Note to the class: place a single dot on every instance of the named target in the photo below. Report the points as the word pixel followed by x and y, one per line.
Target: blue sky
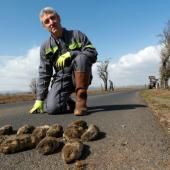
pixel 117 28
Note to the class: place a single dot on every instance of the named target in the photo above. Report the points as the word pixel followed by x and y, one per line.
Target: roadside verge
pixel 159 101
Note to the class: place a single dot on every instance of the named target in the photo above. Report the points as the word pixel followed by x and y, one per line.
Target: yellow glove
pixel 61 60
pixel 38 107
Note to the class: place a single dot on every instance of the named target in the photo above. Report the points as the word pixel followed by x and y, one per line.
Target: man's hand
pixel 38 107
pixel 61 60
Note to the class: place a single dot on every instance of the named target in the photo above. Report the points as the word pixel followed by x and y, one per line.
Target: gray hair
pixel 47 10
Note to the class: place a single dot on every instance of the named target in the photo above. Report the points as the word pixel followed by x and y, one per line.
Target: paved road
pixel 132 139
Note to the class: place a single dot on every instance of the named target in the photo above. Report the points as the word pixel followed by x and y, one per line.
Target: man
pixel 111 85
pixel 70 54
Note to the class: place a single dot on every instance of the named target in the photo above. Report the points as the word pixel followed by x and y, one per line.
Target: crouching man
pixel 70 55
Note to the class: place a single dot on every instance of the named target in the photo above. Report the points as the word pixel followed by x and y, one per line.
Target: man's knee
pixel 53 109
pixel 82 63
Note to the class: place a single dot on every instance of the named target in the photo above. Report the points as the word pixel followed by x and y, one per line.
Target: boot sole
pixel 81 113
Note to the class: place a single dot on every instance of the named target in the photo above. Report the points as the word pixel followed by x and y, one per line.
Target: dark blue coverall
pixel 83 55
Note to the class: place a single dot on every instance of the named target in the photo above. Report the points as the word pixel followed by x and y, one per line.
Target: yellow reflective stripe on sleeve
pixel 74 45
pixel 48 50
pixel 55 49
pixel 89 46
pixel 51 50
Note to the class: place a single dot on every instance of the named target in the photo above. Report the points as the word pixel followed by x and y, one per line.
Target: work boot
pixel 81 82
pixel 71 105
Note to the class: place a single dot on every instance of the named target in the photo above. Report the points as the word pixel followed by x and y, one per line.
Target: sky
pixel 123 31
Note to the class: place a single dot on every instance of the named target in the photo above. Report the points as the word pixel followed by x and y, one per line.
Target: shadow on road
pixel 113 107
pixel 86 152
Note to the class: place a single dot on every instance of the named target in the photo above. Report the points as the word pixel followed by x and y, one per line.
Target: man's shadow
pixel 101 108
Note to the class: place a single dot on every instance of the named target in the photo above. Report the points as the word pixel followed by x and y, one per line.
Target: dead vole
pixel 72 132
pixel 91 133
pixel 75 130
pixel 44 127
pixel 55 130
pixel 39 133
pixel 26 129
pixel 80 165
pixel 48 145
pixel 79 123
pixel 72 151
pixel 6 130
pixel 2 138
pixel 16 144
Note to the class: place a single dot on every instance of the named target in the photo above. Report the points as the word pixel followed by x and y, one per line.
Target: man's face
pixel 51 22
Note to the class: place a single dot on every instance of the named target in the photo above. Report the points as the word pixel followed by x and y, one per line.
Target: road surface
pixel 131 137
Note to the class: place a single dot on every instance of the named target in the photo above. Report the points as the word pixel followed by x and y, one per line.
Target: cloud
pixel 17 73
pixel 131 69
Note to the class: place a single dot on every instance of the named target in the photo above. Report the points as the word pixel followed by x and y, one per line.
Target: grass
pixel 20 97
pixel 28 96
pixel 159 101
pixel 13 98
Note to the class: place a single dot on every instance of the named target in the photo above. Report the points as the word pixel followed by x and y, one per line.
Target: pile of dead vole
pixel 49 139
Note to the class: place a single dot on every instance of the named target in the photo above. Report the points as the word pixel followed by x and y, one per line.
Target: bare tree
pixel 102 69
pixel 33 85
pixel 165 56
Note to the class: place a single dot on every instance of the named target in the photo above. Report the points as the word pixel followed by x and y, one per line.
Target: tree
pixel 102 69
pixel 165 56
pixel 164 70
pixel 33 85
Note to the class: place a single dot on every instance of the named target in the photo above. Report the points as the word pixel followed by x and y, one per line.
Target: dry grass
pixel 159 101
pixel 13 98
pixel 20 97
